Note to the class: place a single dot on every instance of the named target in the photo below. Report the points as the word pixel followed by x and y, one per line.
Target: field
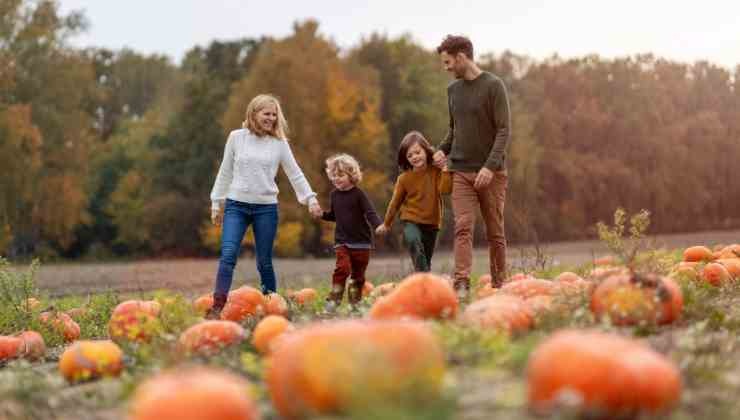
pixel 485 377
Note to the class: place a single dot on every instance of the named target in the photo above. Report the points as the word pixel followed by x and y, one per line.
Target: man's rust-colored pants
pixel 465 200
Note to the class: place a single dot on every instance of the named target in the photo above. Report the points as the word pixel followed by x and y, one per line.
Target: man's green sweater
pixel 479 124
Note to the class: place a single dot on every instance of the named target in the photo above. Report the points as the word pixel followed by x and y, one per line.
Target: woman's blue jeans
pixel 237 218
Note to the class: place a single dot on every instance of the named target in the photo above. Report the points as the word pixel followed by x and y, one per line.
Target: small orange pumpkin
pixel 63 323
pixel 305 296
pixel 276 305
pixel 606 375
pixel 203 303
pixel 34 347
pixel 244 302
pixel 10 347
pixel 632 298
pixel 91 359
pixel 503 312
pixel 134 320
pixel 335 367
pixel 209 337
pixel 697 254
pixel 420 295
pixel 269 329
pixel 715 274
pixel 194 393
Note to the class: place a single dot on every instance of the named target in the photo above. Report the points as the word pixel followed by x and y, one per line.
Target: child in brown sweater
pixel 418 196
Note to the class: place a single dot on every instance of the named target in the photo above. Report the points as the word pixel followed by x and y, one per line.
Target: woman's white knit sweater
pixel 249 168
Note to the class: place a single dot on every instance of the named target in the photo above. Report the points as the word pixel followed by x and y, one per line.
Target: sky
pixel 680 30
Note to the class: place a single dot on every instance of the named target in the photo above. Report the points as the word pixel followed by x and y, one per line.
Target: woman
pixel 245 190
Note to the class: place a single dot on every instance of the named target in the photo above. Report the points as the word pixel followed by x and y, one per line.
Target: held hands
pixel 315 210
pixel 217 217
pixel 483 178
pixel 439 158
pixel 381 229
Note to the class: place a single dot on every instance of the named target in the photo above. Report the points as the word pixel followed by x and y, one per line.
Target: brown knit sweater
pixel 418 195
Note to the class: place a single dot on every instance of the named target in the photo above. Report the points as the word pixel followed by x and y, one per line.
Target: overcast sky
pixel 678 29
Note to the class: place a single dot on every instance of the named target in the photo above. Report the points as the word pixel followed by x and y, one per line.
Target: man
pixel 475 151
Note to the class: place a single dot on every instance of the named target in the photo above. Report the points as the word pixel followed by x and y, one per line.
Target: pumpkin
pixel 193 393
pixel 91 359
pixel 567 277
pixel 209 337
pixel 420 295
pixel 687 269
pixel 732 265
pixel 305 296
pixel 569 284
pixel 203 303
pixel 485 291
pixel 10 347
pixel 733 249
pixel 367 288
pixel 134 320
pixel 242 303
pixel 539 305
pixel 633 298
pixel 276 305
pixel 697 253
pixel 34 347
pixel 336 367
pixel 528 287
pixel 383 289
pixel 62 323
pixel 507 313
pixel 606 375
pixel 267 330
pixel 715 274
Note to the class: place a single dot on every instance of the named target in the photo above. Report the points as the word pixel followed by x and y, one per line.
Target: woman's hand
pixel 217 217
pixel 315 209
pixel 381 229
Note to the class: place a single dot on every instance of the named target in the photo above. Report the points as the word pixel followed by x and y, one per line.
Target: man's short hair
pixel 453 44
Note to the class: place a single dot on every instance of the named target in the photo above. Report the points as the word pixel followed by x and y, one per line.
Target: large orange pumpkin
pixel 134 320
pixel 697 253
pixel 732 265
pixel 91 359
pixel 10 347
pixel 605 375
pixel 276 305
pixel 336 367
pixel 194 393
pixel 633 298
pixel 503 312
pixel 63 323
pixel 420 295
pixel 244 302
pixel 267 330
pixel 209 337
pixel 715 274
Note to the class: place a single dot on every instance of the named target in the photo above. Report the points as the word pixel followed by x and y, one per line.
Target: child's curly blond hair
pixel 343 163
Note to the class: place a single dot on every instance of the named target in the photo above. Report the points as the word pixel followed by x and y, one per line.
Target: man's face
pixel 454 64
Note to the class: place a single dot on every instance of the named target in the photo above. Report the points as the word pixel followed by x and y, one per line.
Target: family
pixel 469 163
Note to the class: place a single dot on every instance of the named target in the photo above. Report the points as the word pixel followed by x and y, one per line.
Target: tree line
pixel 113 153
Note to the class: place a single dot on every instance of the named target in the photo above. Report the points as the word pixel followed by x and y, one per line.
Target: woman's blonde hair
pixel 343 163
pixel 257 104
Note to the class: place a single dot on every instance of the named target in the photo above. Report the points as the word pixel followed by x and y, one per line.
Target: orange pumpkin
pixel 63 323
pixel 697 253
pixel 336 367
pixel 209 337
pixel 485 291
pixel 383 289
pixel 305 296
pixel 244 302
pixel 267 330
pixel 568 283
pixel 715 274
pixel 567 277
pixel 134 320
pixel 203 304
pixel 194 393
pixel 631 298
pixel 367 288
pixel 420 295
pixel 34 347
pixel 10 347
pixel 732 265
pixel 539 305
pixel 91 359
pixel 503 312
pixel 606 375
pixel 733 249
pixel 276 305
pixel 687 269
pixel 528 287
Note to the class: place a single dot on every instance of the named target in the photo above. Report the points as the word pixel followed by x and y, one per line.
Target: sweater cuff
pixel 494 163
pixel 312 200
pixel 217 204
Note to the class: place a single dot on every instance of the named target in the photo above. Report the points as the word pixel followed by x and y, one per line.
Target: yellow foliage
pixel 288 240
pixel 210 235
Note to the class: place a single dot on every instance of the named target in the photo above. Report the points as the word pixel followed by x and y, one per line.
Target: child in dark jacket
pixel 356 220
